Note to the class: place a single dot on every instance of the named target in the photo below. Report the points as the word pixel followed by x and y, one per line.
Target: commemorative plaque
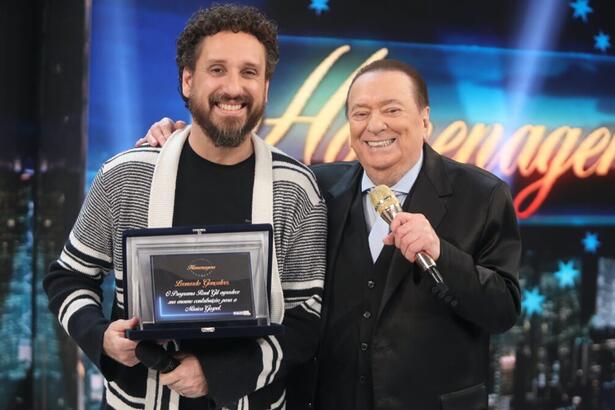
pixel 215 286
pixel 199 282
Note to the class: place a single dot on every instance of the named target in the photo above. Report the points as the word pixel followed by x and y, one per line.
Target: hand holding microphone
pixel 411 233
pixel 185 377
pixel 155 357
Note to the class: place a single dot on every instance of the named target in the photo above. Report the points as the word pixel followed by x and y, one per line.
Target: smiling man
pixel 389 341
pixel 216 171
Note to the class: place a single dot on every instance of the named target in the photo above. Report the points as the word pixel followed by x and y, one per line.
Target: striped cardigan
pixel 135 189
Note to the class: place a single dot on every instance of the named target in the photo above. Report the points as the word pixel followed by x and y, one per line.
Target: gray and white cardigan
pixel 136 189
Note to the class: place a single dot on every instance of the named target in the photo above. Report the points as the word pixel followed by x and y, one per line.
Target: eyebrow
pixel 385 102
pixel 222 61
pixel 390 101
pixel 358 106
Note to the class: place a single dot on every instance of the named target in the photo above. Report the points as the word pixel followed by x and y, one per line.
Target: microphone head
pixel 384 201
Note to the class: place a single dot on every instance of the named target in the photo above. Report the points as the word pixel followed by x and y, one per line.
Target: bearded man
pixel 225 56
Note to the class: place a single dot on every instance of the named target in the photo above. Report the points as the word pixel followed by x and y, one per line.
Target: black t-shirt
pixel 212 194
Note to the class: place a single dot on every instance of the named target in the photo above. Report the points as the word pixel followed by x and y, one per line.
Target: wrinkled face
pixel 387 128
pixel 227 90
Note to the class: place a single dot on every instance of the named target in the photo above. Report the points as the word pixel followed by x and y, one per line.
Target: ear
pixel 186 82
pixel 425 118
pixel 266 91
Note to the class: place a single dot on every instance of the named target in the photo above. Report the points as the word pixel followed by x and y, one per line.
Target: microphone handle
pixel 427 264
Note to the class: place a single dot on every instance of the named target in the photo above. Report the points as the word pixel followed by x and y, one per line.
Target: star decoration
pixel 581 9
pixel 319 6
pixel 566 274
pixel 591 242
pixel 532 301
pixel 602 41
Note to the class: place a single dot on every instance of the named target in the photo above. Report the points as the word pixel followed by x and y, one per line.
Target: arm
pixel 485 284
pixel 73 285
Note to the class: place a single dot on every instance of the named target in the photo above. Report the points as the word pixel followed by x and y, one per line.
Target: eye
pixel 359 115
pixel 392 110
pixel 216 70
pixel 250 72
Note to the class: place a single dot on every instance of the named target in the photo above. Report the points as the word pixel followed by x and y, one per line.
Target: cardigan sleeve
pixel 73 283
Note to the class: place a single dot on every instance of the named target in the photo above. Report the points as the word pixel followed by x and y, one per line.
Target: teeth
pixel 230 107
pixel 383 143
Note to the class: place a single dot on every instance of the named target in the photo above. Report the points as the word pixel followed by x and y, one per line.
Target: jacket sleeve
pixel 237 369
pixel 485 284
pixel 73 283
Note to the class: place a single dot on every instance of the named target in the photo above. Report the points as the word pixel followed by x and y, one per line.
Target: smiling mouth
pixel 380 144
pixel 230 107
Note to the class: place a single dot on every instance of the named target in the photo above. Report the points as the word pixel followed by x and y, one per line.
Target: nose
pixel 232 85
pixel 376 124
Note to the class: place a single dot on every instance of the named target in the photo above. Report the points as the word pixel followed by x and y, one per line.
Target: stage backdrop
pixel 523 89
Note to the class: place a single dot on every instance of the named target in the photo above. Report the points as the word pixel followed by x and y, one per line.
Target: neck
pixel 205 148
pixel 387 178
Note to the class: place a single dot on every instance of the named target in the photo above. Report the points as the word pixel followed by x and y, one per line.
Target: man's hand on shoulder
pixel 117 346
pixel 160 132
pixel 187 379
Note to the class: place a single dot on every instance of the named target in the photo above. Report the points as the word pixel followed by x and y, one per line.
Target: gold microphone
pixel 387 206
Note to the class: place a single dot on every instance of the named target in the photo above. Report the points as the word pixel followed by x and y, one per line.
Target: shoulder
pixel 287 170
pixel 144 156
pixel 328 174
pixel 283 160
pixel 471 178
pixel 332 169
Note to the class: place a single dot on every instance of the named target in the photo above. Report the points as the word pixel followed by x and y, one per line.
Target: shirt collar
pixel 403 186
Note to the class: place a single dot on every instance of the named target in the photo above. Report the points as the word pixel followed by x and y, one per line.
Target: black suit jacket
pixel 426 353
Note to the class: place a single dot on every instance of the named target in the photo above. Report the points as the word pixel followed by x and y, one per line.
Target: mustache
pixel 244 99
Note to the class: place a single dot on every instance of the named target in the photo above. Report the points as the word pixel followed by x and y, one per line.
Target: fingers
pixel 187 379
pixel 160 131
pixel 410 248
pixel 122 324
pixel 411 234
pixel 171 379
pixel 389 239
pixel 117 346
pixel 399 220
pixel 125 351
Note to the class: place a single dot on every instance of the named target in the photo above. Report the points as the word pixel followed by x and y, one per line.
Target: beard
pixel 230 132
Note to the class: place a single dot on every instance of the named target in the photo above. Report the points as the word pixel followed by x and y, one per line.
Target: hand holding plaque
pixel 186 283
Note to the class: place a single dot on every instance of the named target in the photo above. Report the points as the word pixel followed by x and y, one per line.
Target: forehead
pixel 227 46
pixel 378 86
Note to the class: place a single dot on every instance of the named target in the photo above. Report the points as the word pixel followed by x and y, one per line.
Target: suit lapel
pixel 339 201
pixel 428 196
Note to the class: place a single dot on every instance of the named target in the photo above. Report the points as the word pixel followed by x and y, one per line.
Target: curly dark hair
pixel 226 17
